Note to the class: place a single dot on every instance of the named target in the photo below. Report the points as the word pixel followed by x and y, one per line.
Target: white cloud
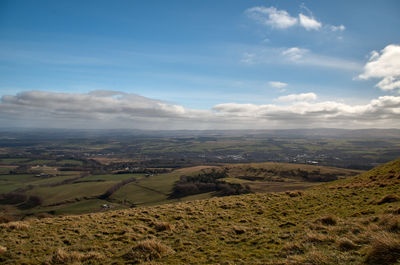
pixel 378 113
pixel 309 23
pixel 271 16
pixel 281 19
pixel 338 28
pixel 298 97
pixel 294 53
pixel 111 109
pixel 298 56
pixel 277 84
pixel 384 65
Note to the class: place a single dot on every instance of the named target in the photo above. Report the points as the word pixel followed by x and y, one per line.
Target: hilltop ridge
pixel 349 221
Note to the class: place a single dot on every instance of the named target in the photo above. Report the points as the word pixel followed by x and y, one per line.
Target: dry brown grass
pixel 389 199
pixel 384 250
pixel 67 257
pixel 293 248
pixel 390 223
pixel 163 226
pixel 345 244
pixel 2 250
pixel 294 193
pixel 328 220
pixel 313 257
pixel 313 237
pixel 148 250
pixel 15 225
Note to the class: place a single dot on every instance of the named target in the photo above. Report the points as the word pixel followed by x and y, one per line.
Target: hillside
pixel 349 221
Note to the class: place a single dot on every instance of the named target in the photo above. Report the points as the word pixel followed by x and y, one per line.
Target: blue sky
pixel 200 55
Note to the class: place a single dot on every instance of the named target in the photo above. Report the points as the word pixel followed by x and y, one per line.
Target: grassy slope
pixel 337 223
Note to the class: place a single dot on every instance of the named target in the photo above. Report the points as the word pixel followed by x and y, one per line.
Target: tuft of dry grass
pixel 390 223
pixel 345 244
pixel 238 230
pixel 2 250
pixel 396 211
pixel 328 220
pixel 15 225
pixel 148 250
pixel 384 250
pixel 163 226
pixel 292 248
pixel 295 193
pixel 388 199
pixel 312 237
pixel 64 257
pixel 313 257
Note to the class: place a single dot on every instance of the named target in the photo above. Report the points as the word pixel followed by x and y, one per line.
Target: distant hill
pixel 348 221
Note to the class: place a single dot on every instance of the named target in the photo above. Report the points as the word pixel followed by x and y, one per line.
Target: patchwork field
pixel 349 221
pixel 50 189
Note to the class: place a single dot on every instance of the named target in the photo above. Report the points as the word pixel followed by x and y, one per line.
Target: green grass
pixel 162 182
pixel 111 177
pixel 68 192
pixel 40 162
pixel 342 222
pixel 5 170
pixel 70 162
pixel 52 180
pixel 134 194
pixel 85 206
pixel 6 186
pixel 148 191
pixel 25 178
pixel 12 161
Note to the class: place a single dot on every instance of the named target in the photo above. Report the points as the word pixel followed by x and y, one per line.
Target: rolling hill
pixel 349 221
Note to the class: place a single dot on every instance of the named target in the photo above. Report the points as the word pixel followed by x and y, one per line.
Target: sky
pixel 188 64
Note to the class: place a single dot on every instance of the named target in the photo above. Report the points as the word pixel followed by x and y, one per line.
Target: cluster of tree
pixel 22 200
pixel 314 176
pixel 142 170
pixel 207 182
pixel 115 187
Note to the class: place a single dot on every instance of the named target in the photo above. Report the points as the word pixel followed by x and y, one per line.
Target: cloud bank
pixel 113 109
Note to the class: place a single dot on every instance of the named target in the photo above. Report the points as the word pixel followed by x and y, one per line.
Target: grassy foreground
pixel 350 221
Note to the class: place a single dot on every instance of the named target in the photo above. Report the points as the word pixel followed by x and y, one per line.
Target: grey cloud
pixel 113 109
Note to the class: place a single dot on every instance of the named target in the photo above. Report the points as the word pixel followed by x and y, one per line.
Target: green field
pixel 52 195
pixel 350 221
pixel 111 177
pixel 152 190
pixel 70 162
pixel 84 206
pixel 68 192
